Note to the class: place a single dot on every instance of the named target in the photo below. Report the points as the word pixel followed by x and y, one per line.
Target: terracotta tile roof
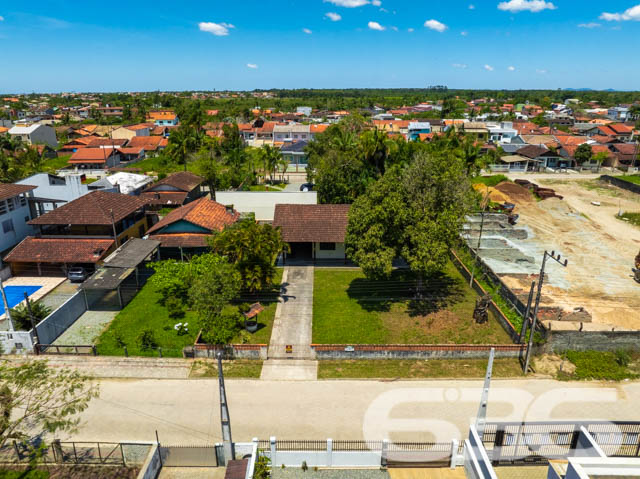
pixel 572 140
pixel 182 240
pixel 167 198
pixel 318 128
pixel 607 130
pixel 183 180
pixel 602 138
pixel 571 149
pixel 91 154
pixel 139 126
pixel 625 148
pixel 620 128
pixel 92 209
pixel 3 129
pixel 161 115
pixel 107 142
pixel 59 250
pixel 149 143
pixel 9 190
pixel 312 223
pixel 531 151
pixel 204 212
pixel 130 150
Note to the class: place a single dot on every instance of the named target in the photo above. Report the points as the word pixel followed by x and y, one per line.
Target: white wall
pixel 263 204
pixel 69 191
pixel 10 341
pixel 339 252
pixel 19 216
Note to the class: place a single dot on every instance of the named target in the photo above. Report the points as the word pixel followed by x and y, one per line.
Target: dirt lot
pixel 600 249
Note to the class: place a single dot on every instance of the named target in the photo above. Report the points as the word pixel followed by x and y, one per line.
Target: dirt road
pixel 599 246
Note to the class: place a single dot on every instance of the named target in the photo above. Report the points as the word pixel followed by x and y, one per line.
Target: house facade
pixel 35 134
pixel 14 214
pixel 175 190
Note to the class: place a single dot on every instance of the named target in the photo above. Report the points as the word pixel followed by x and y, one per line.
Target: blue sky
pixel 242 45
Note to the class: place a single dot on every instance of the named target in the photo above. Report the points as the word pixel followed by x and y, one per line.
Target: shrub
pixel 175 307
pixel 305 468
pixel 147 340
pixel 221 328
pixel 490 180
pixel 602 365
pixel 623 358
pixel 21 318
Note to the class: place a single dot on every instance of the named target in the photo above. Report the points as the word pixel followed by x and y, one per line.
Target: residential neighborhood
pixel 331 239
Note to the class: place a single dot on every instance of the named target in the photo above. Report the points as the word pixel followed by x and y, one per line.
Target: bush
pixel 175 307
pixel 602 365
pixel 147 340
pixel 490 180
pixel 623 358
pixel 21 318
pixel 221 328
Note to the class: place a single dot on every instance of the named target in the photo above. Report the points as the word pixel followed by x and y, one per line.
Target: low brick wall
pixel 625 185
pixel 232 351
pixel 560 341
pixel 493 307
pixel 414 351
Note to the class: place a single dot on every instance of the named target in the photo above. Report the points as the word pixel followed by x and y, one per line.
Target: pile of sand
pixel 494 195
pixel 516 193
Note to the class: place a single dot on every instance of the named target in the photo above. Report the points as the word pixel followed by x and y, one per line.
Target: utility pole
pixel 31 318
pixel 481 418
pixel 553 256
pixel 227 441
pixel 7 311
pixel 525 321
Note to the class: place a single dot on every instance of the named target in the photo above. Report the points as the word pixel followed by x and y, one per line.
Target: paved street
pixel 187 411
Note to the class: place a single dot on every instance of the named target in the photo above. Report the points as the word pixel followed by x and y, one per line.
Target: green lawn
pixel 52 164
pixel 633 218
pixel 239 368
pixel 635 179
pixel 489 180
pixel 146 312
pixel 17 474
pixel 416 368
pixel 603 365
pixel 349 309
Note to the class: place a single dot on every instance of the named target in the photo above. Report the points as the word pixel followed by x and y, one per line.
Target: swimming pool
pixel 15 294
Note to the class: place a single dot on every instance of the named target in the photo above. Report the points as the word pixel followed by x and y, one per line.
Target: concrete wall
pixel 560 341
pixel 417 351
pixel 263 204
pixel 16 342
pixel 234 351
pixel 59 320
pixel 338 253
pixel 151 467
pixel 19 217
pixel 621 183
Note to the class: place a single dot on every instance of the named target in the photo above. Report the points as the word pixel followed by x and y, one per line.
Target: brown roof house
pixel 313 231
pixel 175 190
pixel 186 230
pixel 82 233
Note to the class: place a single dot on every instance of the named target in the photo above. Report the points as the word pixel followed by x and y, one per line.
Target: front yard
pixel 349 309
pixel 145 312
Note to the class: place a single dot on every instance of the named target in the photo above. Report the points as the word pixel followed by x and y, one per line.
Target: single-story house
pixel 186 230
pixel 95 158
pixel 546 158
pixel 175 190
pixel 313 231
pixel 294 153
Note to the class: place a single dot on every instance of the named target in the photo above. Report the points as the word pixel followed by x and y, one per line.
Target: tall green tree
pixel 253 249
pixel 583 153
pixel 36 400
pixel 414 213
pixel 183 142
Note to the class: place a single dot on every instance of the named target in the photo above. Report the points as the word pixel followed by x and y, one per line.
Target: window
pixel 11 204
pixel 327 246
pixel 7 226
pixel 3 207
pixel 23 201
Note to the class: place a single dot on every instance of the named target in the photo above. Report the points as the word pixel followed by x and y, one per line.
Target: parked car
pixel 306 187
pixel 77 274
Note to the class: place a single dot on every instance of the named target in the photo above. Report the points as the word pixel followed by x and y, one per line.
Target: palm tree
pixel 271 158
pixel 182 143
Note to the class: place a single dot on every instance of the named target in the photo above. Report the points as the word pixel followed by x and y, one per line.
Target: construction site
pixel 579 220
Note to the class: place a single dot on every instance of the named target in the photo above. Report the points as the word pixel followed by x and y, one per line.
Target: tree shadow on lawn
pixel 439 291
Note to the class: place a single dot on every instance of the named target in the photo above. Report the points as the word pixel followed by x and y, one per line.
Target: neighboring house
pixel 262 204
pixel 477 129
pixel 313 231
pixel 545 158
pixel 295 155
pixel 131 131
pixel 35 134
pixel 625 154
pixel 621 131
pixel 618 113
pixel 186 230
pixel 163 118
pixel 569 151
pixel 123 182
pixel 416 128
pixel 95 158
pixel 14 214
pixel 152 145
pixel 587 129
pixel 51 190
pixel 81 232
pixel 131 154
pixel 175 190
pixel 291 132
pixel 515 163
pixel 110 111
pixel 501 133
pixel 305 110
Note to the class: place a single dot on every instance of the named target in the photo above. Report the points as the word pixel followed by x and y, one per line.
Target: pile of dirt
pixel 490 192
pixel 551 365
pixel 516 193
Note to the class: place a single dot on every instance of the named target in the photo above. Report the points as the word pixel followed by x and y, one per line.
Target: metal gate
pixel 191 456
pixel 418 454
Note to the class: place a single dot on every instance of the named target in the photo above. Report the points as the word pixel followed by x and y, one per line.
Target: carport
pixel 120 276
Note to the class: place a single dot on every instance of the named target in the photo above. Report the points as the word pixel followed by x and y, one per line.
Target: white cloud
pixel 464 33
pixel 252 66
pixel 334 17
pixel 541 72
pixel 589 25
pixel 349 3
pixel 307 31
pixel 376 3
pixel 435 25
pixel 376 26
pixel 632 13
pixel 472 7
pixel 395 29
pixel 489 68
pixel 217 29
pixel 516 6
pixel 511 68
pixel 411 30
pixel 1 18
pixel 459 65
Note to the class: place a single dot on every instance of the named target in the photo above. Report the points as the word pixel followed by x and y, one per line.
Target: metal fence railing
pixel 73 452
pixel 57 349
pixel 191 455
